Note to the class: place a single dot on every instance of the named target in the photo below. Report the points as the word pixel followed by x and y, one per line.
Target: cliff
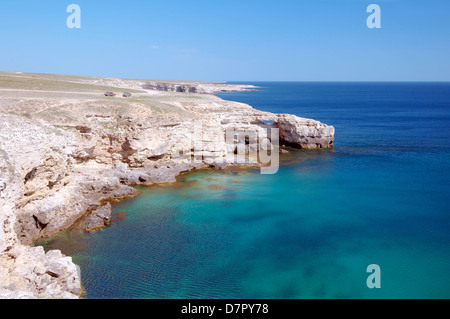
pixel 195 87
pixel 66 150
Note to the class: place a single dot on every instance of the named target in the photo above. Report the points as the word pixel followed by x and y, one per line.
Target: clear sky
pixel 229 40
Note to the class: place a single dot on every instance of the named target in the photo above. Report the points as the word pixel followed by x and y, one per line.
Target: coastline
pixel 76 230
pixel 65 158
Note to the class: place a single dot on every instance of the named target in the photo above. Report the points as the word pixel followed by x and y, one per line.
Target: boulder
pixel 99 218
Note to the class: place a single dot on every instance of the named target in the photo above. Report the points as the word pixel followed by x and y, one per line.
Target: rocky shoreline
pixel 66 151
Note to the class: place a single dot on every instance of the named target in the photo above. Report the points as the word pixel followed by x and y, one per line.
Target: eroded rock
pixel 57 163
pixel 99 218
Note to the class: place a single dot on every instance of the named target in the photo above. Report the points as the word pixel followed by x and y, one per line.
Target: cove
pixel 309 231
pixel 245 235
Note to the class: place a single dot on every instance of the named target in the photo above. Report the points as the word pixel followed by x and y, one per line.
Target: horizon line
pixel 240 81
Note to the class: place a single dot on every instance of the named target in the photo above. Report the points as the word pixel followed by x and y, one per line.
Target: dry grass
pixel 66 98
pixel 55 83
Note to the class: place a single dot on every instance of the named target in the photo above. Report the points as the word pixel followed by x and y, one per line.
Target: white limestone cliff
pixel 64 158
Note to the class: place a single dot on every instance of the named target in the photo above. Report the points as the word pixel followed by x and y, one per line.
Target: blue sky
pixel 245 40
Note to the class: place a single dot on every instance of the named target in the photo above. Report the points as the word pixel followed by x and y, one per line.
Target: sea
pixel 314 229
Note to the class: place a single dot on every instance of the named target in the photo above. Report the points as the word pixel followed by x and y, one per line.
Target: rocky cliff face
pixel 195 87
pixel 65 158
pixel 30 149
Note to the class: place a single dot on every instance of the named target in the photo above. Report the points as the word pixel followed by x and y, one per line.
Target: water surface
pixel 309 231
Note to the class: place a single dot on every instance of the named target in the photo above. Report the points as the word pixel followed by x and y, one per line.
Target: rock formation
pixel 195 87
pixel 64 155
pixel 99 218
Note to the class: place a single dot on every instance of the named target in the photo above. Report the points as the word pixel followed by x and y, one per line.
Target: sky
pixel 229 40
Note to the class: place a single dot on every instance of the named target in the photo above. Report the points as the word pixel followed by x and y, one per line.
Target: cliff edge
pixel 66 150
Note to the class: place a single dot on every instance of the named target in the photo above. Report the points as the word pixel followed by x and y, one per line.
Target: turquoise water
pixel 309 231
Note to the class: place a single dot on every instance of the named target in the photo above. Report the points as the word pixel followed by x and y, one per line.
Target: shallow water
pixel 309 231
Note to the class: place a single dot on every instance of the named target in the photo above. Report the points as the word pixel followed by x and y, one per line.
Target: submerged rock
pixel 119 217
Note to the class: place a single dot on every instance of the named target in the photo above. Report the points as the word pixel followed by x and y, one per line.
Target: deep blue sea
pixel 381 196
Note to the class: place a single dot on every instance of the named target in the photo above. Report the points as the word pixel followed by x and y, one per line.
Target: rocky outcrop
pixel 28 272
pixel 171 87
pixel 99 218
pixel 196 87
pixel 304 133
pixel 63 162
pixel 33 273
